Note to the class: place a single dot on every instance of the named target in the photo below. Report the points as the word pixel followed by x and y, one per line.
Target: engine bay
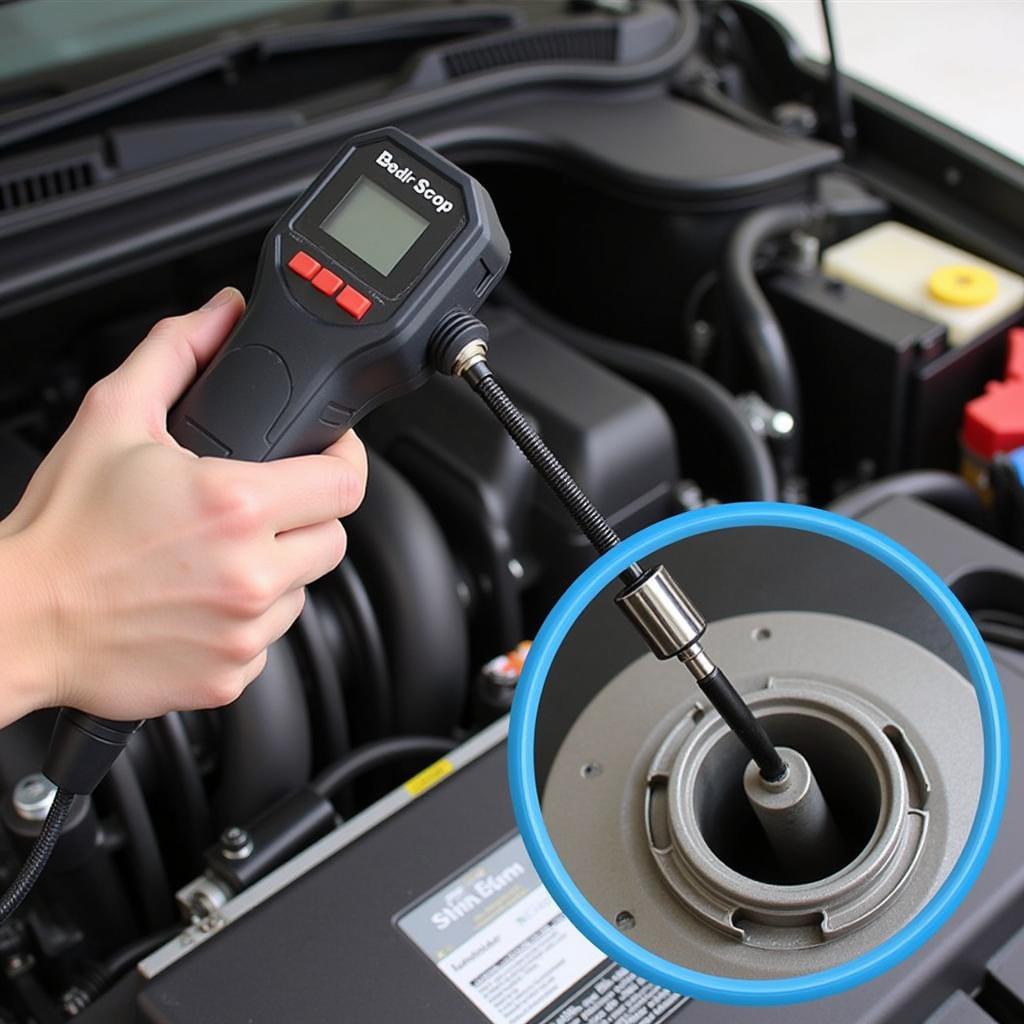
pixel 715 296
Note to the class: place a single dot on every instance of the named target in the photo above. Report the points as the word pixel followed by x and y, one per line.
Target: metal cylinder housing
pixel 662 613
pixel 795 817
pixel 664 830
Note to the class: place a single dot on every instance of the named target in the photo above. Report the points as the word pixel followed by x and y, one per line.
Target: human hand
pixel 141 579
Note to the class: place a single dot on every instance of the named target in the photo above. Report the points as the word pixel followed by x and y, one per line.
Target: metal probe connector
pixel 672 628
pixel 667 620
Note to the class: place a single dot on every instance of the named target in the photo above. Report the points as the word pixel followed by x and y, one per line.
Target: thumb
pixel 168 359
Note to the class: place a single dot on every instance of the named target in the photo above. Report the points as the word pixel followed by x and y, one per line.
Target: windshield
pixel 39 36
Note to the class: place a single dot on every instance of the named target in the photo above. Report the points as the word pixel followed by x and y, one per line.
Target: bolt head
pixel 236 843
pixel 33 796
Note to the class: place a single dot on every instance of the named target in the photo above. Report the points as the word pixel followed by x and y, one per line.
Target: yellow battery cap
pixel 963 285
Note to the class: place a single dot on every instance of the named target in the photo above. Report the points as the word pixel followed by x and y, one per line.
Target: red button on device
pixel 353 302
pixel 327 282
pixel 303 264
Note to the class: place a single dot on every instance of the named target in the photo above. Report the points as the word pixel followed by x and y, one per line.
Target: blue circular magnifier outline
pixel 744 991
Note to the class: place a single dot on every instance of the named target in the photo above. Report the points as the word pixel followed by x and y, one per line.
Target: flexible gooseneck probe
pixel 652 600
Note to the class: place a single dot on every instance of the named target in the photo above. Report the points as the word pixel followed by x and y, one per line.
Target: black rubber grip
pixel 82 749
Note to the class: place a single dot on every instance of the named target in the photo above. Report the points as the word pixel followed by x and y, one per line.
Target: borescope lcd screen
pixel 374 225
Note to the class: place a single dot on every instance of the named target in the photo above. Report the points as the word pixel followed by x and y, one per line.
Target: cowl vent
pixel 17 191
pixel 39 177
pixel 597 43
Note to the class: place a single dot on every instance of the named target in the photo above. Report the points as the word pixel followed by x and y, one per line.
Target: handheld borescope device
pixel 366 285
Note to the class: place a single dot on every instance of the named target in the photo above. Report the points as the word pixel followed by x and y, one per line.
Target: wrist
pixel 28 654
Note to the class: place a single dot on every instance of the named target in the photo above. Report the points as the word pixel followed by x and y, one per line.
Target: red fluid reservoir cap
pixel 994 422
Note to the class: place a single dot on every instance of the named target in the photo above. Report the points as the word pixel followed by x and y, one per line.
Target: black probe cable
pixel 715 686
pixel 30 871
pixel 82 749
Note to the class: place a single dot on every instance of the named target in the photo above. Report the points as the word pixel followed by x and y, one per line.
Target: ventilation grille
pixel 575 44
pixel 26 189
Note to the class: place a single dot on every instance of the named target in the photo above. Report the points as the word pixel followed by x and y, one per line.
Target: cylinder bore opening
pixel 848 780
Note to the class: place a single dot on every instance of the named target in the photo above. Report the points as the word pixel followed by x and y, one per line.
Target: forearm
pixel 25 634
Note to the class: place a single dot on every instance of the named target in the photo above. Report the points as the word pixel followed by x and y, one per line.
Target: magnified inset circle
pixel 619 941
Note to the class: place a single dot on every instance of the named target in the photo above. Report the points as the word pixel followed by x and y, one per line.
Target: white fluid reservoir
pixel 940 282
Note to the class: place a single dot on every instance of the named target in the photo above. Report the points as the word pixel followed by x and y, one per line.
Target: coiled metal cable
pixel 591 522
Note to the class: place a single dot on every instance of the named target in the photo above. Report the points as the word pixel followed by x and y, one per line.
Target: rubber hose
pixel 330 715
pixel 32 868
pixel 336 777
pixel 409 574
pixel 128 956
pixel 97 978
pixel 356 611
pixel 660 373
pixel 266 748
pixel 184 781
pixel 946 491
pixel 154 890
pixel 757 327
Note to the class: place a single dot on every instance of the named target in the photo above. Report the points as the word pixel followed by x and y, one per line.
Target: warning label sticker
pixel 616 996
pixel 499 937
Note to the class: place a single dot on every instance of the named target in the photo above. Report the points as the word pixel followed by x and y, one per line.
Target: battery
pixel 839 333
pixel 903 389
